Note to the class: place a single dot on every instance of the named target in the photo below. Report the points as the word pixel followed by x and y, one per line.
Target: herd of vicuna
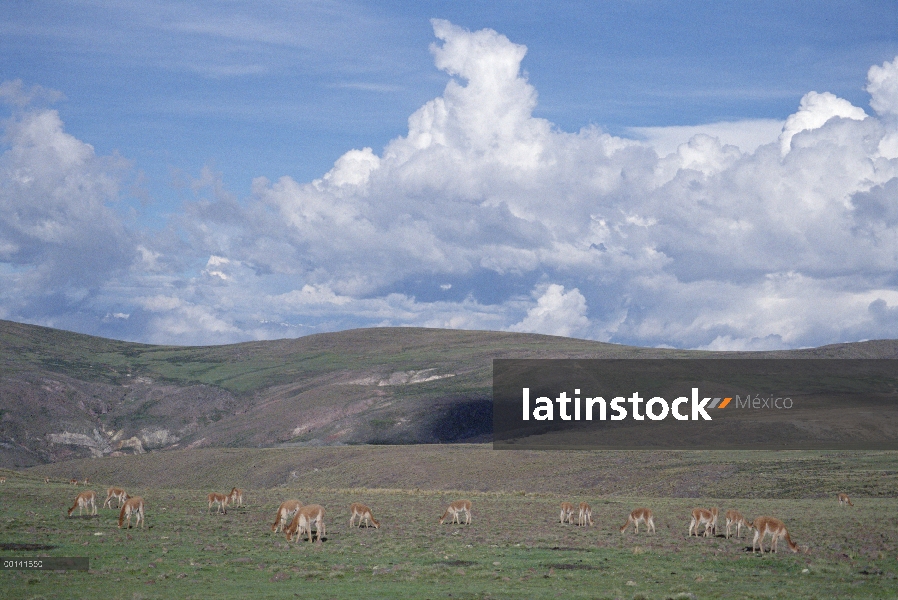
pixel 763 526
pixel 128 506
pixel 296 519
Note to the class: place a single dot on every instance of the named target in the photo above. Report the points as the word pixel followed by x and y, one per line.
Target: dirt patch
pixel 571 567
pixel 26 547
pixel 456 563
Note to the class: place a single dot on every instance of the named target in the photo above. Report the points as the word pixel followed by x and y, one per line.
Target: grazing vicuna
pixel 734 517
pixel 715 512
pixel 85 500
pixel 777 531
pixel 285 514
pixel 303 520
pixel 235 498
pixel 132 506
pixel 456 508
pixel 637 516
pixel 567 512
pixel 361 511
pixel 585 515
pixel 701 516
pixel 119 494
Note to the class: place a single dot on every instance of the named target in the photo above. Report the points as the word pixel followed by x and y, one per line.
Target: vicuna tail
pixel 792 544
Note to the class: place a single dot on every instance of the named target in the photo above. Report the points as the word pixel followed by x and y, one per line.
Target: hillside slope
pixel 479 468
pixel 65 395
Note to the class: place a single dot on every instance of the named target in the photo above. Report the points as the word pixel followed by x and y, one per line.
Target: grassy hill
pixel 65 395
pixel 315 404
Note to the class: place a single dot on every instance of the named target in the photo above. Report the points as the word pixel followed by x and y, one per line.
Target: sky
pixel 652 173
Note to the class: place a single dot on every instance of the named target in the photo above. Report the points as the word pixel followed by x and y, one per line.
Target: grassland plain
pixel 515 548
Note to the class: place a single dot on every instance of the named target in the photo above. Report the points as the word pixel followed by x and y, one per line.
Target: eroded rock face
pixel 132 443
pixel 75 439
pixel 47 419
pixel 402 378
pixel 157 438
pixel 103 443
pixel 96 443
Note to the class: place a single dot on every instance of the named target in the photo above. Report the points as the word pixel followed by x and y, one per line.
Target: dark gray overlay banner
pixel 746 404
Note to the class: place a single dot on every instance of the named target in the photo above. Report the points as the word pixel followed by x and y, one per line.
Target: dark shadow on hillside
pixel 464 421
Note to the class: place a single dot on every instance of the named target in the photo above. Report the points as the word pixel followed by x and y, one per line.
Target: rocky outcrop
pixel 103 443
pixel 97 444
pixel 402 378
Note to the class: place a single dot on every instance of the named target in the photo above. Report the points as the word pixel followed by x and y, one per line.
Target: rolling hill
pixel 65 395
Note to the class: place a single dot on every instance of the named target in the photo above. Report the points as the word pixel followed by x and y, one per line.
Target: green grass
pixel 515 547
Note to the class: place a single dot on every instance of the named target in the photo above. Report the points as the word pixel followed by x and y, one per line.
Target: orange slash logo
pixel 717 401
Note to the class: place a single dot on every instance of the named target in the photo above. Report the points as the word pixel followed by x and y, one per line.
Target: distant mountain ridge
pixel 65 395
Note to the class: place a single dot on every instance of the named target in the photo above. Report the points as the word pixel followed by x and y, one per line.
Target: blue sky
pixel 198 173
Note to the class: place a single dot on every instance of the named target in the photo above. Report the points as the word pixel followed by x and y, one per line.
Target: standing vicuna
pixel 221 500
pixel 844 499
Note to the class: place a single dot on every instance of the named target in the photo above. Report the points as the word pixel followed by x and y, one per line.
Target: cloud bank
pixel 482 216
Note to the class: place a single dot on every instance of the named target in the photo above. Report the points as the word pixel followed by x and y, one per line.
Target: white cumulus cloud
pixel 882 85
pixel 556 313
pixel 814 111
pixel 60 237
pixel 750 235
